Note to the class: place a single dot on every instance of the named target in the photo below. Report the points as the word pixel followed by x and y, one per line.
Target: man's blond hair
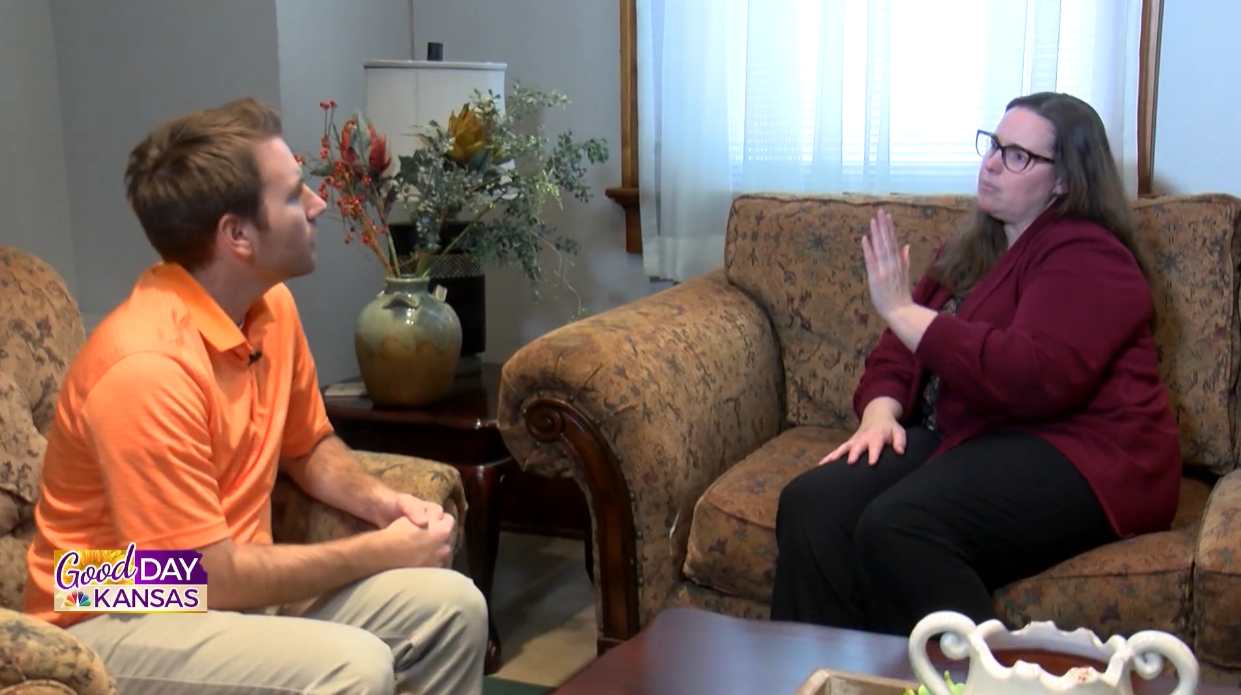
pixel 192 170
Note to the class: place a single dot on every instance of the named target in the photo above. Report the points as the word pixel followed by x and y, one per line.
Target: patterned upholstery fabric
pixel 711 395
pixel 662 380
pixel 41 332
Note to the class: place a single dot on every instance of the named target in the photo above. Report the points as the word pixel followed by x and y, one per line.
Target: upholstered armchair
pixel 683 414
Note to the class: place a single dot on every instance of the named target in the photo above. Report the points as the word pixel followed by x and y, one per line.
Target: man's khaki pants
pixel 403 631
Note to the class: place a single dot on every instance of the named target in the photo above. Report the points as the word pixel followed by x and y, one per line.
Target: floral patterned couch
pixel 683 414
pixel 40 331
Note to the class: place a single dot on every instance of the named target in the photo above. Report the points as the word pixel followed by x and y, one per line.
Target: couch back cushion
pixel 40 332
pixel 800 258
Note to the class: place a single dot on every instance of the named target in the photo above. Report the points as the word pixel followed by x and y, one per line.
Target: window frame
pixel 626 193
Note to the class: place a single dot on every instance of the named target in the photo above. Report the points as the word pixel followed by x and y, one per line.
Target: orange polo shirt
pixel 166 435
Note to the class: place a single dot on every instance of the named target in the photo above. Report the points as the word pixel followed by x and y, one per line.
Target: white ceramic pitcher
pixel 1143 653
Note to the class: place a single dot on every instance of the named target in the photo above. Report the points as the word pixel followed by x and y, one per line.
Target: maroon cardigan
pixel 1054 341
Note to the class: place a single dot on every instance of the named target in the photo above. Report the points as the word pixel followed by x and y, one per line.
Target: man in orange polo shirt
pixel 173 421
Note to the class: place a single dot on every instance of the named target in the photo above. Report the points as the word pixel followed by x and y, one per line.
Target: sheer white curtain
pixel 867 96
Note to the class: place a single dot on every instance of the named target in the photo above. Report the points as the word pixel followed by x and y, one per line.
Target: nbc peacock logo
pixel 130 581
pixel 77 599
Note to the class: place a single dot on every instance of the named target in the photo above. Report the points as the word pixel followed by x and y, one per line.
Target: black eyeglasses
pixel 1015 157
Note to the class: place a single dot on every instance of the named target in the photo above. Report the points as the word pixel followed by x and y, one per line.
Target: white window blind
pixel 869 96
pixel 883 95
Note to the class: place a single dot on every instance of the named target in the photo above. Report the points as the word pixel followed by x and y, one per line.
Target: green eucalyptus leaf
pixel 503 208
pixel 479 161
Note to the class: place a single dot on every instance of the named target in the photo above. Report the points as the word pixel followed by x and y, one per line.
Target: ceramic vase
pixel 408 343
pixel 1119 659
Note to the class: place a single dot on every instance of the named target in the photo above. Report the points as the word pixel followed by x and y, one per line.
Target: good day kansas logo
pixel 130 581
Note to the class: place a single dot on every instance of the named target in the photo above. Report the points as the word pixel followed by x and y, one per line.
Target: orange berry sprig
pixel 353 184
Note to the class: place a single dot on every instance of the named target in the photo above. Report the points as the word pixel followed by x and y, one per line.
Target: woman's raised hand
pixel 887 267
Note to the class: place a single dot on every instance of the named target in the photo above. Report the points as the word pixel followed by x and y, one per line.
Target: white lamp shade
pixel 404 95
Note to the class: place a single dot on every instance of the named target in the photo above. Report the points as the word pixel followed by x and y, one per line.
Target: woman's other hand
pixel 879 428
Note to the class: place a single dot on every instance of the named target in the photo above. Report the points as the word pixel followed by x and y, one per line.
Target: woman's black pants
pixel 877 548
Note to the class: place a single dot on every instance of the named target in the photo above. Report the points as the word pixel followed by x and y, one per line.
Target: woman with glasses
pixel 1012 415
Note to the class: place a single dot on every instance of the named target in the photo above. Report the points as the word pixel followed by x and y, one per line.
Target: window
pixel 872 96
pixel 868 95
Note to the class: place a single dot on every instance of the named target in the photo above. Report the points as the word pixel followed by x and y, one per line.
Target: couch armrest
pixel 1217 576
pixel 37 657
pixel 647 404
pixel 298 518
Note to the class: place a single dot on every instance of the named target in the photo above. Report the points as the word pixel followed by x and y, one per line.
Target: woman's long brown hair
pixel 1093 191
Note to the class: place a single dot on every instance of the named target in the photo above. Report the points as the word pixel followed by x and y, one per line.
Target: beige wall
pixel 34 190
pixel 1196 146
pixel 122 68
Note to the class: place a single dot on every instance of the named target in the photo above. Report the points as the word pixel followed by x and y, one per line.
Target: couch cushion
pixel 800 258
pixel 732 538
pixel 1120 589
pixel 1137 583
pixel 1217 577
pixel 1194 244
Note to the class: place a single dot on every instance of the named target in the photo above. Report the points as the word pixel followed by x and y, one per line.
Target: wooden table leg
pixel 484 487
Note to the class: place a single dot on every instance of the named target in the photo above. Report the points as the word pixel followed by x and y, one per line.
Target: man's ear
pixel 233 234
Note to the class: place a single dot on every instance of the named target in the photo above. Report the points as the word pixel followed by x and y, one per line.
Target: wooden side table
pixel 461 431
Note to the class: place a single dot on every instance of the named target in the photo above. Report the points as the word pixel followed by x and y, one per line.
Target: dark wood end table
pixel 692 652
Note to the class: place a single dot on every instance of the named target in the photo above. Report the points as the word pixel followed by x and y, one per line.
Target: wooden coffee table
pixel 692 652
